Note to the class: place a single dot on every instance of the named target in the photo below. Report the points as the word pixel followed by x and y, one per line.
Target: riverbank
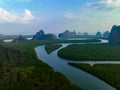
pixel 91 52
pixel 76 76
pixel 110 73
pixel 51 48
pixel 31 74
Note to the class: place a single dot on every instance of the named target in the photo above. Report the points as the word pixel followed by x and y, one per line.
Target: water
pixel 96 62
pixel 76 76
pixel 8 40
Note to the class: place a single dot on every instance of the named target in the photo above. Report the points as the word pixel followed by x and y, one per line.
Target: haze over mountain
pixel 28 16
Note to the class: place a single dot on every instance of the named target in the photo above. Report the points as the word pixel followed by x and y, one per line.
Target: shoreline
pixel 93 75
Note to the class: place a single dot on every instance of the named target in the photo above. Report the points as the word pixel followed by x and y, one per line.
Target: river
pixel 76 76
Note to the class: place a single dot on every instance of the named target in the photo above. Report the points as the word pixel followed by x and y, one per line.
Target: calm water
pixel 76 76
pixel 10 40
pixel 97 62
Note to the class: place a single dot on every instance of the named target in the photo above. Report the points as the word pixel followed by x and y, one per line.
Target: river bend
pixel 76 76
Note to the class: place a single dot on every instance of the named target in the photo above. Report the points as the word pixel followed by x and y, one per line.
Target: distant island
pixel 66 34
pixel 42 36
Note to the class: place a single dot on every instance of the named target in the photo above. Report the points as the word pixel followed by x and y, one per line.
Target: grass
pixel 51 48
pixel 96 52
pixel 32 74
pixel 110 73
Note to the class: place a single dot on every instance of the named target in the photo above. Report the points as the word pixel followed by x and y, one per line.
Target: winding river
pixel 76 76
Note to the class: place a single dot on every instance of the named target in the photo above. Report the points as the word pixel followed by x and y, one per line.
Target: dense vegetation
pixel 91 52
pixel 107 72
pixel 51 48
pixel 3 37
pixel 87 36
pixel 78 41
pixel 21 70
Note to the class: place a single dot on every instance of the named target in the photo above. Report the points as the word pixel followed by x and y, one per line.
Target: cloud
pixel 96 16
pixel 71 16
pixel 9 17
pixel 27 17
pixel 105 4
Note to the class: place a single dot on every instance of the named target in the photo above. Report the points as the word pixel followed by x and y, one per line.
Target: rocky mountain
pixel 114 36
pixel 42 36
pixel 98 34
pixel 73 33
pixel 67 33
pixel 106 34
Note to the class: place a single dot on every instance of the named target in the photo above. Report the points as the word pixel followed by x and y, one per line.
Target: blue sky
pixel 54 16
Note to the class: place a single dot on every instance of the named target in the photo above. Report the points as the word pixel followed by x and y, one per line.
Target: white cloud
pixel 96 16
pixel 9 17
pixel 27 17
pixel 71 16
pixel 105 4
pixel 113 2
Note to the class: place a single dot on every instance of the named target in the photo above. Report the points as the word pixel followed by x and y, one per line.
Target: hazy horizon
pixel 55 16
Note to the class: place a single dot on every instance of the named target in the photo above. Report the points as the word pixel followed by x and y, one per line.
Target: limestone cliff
pixel 114 36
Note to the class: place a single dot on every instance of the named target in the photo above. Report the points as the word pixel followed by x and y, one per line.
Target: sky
pixel 55 16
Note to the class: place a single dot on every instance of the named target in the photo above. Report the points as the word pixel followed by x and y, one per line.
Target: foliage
pixel 51 48
pixel 21 70
pixel 87 36
pixel 3 37
pixel 91 52
pixel 107 72
pixel 26 46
